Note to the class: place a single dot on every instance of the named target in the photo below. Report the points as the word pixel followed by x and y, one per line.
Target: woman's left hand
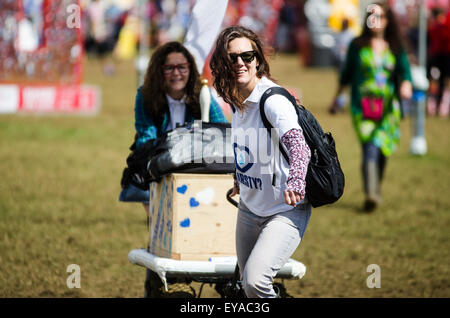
pixel 292 197
pixel 406 90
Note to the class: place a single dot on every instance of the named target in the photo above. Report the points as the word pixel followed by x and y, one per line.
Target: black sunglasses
pixel 246 56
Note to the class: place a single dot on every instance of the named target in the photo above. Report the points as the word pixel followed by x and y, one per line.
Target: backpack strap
pixel 269 92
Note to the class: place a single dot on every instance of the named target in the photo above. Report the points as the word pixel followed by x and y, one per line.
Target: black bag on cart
pixel 198 147
pixel 135 178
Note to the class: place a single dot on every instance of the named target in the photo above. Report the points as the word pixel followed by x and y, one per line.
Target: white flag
pixel 206 20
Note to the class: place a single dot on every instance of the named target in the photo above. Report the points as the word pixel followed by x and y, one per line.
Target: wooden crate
pixel 190 218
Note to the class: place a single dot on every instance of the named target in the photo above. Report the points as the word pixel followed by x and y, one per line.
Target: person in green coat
pixel 377 69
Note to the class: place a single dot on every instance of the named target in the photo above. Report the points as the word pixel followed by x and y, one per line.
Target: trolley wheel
pixel 179 290
pixel 229 290
pixel 154 288
pixel 281 290
pixel 153 285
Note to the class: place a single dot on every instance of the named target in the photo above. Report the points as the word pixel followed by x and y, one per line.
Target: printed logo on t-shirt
pixel 244 161
pixel 243 157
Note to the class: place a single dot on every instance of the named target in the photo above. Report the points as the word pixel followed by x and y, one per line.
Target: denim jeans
pixel 134 194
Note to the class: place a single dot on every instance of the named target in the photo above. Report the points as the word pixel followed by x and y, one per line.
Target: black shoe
pixel 370 205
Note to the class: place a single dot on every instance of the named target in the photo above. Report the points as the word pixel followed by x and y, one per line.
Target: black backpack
pixel 324 179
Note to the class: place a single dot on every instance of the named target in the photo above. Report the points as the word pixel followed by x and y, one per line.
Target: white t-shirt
pixel 177 110
pixel 254 159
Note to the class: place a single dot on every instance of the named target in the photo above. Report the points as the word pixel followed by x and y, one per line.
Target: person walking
pixel 378 71
pixel 273 213
pixel 343 39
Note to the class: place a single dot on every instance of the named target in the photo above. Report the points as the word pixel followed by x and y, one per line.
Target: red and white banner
pixel 67 99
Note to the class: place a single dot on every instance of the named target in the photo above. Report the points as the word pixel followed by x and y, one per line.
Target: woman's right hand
pixel 332 109
pixel 292 197
pixel 235 191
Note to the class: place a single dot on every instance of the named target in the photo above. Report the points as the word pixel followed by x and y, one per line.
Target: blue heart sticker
pixel 193 203
pixel 185 223
pixel 182 189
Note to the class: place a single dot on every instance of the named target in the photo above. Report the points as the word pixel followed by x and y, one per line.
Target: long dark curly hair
pixel 154 91
pixel 391 34
pixel 222 67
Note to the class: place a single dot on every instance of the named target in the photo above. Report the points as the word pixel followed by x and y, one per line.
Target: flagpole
pixel 418 145
pixel 144 32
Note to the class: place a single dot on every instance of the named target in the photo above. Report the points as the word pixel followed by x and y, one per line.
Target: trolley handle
pixel 230 199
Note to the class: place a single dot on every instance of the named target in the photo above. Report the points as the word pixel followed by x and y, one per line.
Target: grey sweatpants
pixel 265 244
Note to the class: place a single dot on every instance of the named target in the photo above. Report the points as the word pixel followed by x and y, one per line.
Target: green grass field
pixel 60 180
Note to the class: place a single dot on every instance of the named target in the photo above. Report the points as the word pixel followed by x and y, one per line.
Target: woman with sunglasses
pixel 169 97
pixel 272 216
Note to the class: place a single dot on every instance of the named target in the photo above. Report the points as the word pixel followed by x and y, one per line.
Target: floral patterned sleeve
pixel 299 156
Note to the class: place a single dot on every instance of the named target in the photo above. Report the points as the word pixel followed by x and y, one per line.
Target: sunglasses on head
pixel 246 56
